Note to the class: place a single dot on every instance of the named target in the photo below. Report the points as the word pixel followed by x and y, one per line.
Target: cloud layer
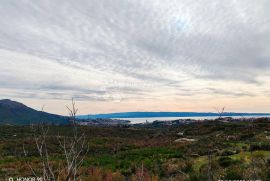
pixel 134 50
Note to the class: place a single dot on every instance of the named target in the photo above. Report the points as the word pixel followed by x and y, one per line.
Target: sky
pixel 136 55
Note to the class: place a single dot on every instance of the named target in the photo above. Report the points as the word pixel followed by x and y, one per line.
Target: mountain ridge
pixel 16 113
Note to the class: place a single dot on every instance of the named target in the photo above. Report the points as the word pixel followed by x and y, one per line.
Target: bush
pixel 225 161
pixel 260 146
pixel 227 152
pixel 234 173
pixel 197 177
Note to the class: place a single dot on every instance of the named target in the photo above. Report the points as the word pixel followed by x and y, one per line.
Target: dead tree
pixel 220 111
pixel 40 137
pixel 73 148
pixel 72 111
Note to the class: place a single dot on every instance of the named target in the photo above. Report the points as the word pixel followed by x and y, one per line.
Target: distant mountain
pixel 166 114
pixel 15 113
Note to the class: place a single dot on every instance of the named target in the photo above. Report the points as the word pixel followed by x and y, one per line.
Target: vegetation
pixel 231 150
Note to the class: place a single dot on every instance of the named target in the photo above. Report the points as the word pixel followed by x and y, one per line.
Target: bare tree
pixel 72 112
pixel 74 149
pixel 40 137
pixel 220 111
pixel 40 134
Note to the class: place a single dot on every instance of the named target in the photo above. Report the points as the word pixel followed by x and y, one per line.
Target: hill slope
pixel 12 112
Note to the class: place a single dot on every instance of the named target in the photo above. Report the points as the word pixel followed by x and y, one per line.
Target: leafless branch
pixel 220 111
pixel 74 149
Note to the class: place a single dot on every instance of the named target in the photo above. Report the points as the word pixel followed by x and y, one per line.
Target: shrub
pixel 225 161
pixel 234 173
pixel 227 153
pixel 260 146
pixel 197 177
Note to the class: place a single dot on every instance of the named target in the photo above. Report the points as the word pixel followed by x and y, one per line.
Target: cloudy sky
pixel 136 55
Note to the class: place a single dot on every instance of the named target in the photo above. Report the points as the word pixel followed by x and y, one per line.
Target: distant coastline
pixel 166 114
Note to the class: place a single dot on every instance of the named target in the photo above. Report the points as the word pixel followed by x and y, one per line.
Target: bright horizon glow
pixel 136 55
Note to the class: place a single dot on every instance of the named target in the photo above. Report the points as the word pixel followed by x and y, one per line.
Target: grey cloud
pixel 140 40
pixel 238 93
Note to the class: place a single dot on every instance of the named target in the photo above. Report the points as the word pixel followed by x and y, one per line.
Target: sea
pixel 152 119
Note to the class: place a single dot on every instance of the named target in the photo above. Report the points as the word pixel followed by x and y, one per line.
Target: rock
pixel 182 140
